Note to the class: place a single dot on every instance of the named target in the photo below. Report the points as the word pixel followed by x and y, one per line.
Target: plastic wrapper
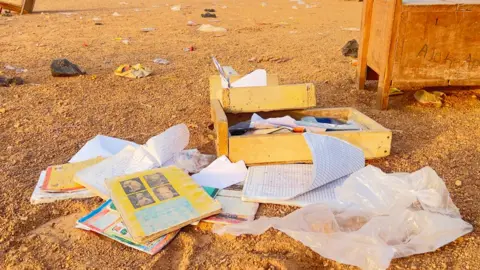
pixel 378 217
pixel 192 161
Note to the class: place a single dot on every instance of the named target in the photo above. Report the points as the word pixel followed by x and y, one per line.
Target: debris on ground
pixel 351 48
pixel 64 68
pixel 395 92
pixel 116 14
pixel 211 28
pixel 7 81
pixel 161 61
pixel 191 23
pixel 176 8
pixel 132 71
pixel 189 49
pixel 148 29
pixel 16 69
pixel 209 10
pixel 208 15
pixel 372 219
pixel 434 98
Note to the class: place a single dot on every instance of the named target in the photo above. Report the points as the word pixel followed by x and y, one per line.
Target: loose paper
pixel 100 146
pixel 221 173
pixel 153 154
pixel 333 159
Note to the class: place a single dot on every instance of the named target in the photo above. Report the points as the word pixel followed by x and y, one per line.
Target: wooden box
pixel 417 43
pixel 25 7
pixel 375 140
pixel 272 97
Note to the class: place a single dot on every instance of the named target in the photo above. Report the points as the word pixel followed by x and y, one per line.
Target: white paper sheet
pixel 258 122
pixel 135 159
pixel 265 180
pixel 332 159
pixel 256 78
pixel 168 143
pixel 102 146
pixel 221 173
pixel 39 196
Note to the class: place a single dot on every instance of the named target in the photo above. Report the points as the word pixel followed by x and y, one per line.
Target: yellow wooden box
pixel 272 97
pixel 375 140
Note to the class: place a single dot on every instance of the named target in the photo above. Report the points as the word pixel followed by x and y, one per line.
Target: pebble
pixel 2 110
pixel 17 125
pixel 458 183
pixel 210 137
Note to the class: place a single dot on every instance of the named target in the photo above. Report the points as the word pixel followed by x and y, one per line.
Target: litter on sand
pixel 16 69
pixel 161 61
pixel 8 81
pixel 375 218
pixel 176 8
pixel 133 71
pixel 426 98
pixel 211 28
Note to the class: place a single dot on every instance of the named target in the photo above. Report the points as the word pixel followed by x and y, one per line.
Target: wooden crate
pixel 292 148
pixel 415 44
pixel 266 98
pixel 25 7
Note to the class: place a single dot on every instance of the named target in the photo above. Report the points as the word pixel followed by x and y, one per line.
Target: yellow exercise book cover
pixel 59 178
pixel 155 202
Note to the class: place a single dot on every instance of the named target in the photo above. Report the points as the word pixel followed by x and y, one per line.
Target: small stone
pixel 2 110
pixel 474 96
pixel 458 183
pixel 351 48
pixel 211 137
pixel 64 68
pixel 17 125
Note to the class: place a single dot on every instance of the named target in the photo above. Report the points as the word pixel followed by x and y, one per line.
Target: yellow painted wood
pixel 269 98
pixel 216 84
pixel 221 127
pixel 375 140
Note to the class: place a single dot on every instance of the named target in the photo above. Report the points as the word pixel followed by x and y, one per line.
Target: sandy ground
pixel 46 121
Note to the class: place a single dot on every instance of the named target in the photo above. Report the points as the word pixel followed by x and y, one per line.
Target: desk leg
pixel 365 36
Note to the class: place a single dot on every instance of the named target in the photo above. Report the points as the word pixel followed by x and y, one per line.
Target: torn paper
pixel 100 146
pixel 221 173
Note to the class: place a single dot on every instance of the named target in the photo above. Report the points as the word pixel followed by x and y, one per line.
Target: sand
pixel 47 120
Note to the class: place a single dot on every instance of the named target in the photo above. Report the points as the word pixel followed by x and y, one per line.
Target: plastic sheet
pixel 192 160
pixel 378 217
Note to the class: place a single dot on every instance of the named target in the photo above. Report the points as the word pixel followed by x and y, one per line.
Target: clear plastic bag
pixel 378 217
pixel 192 160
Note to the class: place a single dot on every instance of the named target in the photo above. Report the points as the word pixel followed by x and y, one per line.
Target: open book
pixel 303 184
pixel 156 152
pixel 155 202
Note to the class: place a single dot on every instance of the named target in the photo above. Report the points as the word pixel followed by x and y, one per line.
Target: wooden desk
pixel 415 44
pixel 25 8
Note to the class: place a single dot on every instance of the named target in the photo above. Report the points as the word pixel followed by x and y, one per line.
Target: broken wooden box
pixel 272 97
pixel 373 139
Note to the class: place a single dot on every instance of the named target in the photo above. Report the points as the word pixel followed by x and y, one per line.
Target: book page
pixel 332 158
pixel 165 145
pixel 278 182
pixel 129 159
pixel 101 146
pixel 320 194
pixel 221 173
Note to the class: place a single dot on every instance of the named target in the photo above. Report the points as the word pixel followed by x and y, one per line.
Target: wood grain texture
pixel 375 140
pixel 364 39
pixel 269 98
pixel 220 123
